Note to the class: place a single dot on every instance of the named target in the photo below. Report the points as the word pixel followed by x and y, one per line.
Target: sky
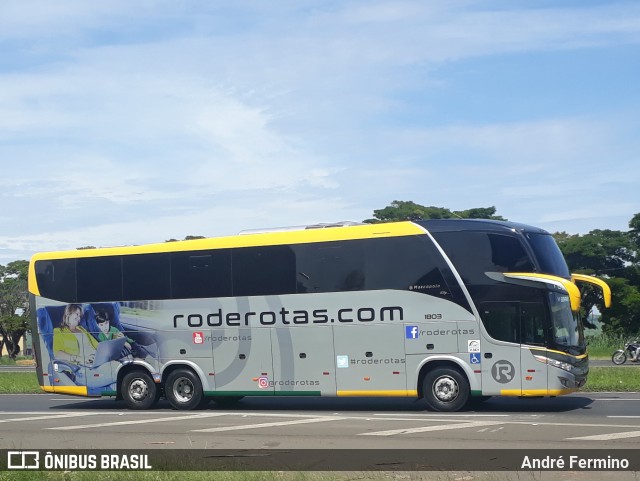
pixel 136 122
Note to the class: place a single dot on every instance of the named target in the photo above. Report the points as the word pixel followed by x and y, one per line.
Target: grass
pixel 619 379
pixel 602 346
pixel 177 476
pixel 19 383
pixel 7 361
pixel 266 476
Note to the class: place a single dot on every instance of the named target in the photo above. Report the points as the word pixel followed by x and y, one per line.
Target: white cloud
pixel 138 122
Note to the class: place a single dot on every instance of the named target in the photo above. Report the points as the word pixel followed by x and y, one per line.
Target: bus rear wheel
pixel 138 390
pixel 183 389
pixel 446 389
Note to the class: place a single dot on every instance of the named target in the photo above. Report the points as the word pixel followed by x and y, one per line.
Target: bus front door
pixel 516 336
pixel 501 363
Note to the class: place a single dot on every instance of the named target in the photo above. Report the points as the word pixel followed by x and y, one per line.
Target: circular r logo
pixel 503 372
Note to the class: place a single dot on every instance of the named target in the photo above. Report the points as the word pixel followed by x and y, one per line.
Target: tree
pixel 479 213
pixel 613 257
pixel 400 210
pixel 189 237
pixel 14 305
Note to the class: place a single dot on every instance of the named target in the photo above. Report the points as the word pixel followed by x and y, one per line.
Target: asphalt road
pixel 595 420
pixel 603 421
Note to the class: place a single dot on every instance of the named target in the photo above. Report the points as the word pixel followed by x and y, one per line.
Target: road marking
pixel 140 421
pixel 607 437
pixel 439 416
pixel 614 399
pixel 49 416
pixel 423 429
pixel 268 425
pixel 269 414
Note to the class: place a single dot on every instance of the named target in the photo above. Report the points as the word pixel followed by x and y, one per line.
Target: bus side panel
pixel 188 347
pixel 501 370
pixel 534 374
pixel 431 338
pixel 370 360
pixel 243 361
pixel 303 361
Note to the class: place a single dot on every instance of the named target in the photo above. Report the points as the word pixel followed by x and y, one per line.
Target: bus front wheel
pixel 138 390
pixel 446 389
pixel 183 389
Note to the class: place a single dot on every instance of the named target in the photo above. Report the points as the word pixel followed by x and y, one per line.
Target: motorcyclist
pixel 636 352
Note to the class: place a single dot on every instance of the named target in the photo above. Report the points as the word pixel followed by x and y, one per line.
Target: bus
pixel 452 311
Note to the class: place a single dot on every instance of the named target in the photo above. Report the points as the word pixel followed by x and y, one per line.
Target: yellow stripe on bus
pixel 302 236
pixel 76 390
pixel 397 393
pixel 570 287
pixel 535 392
pixel 544 349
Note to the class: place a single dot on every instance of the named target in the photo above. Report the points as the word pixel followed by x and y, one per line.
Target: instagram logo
pixel 263 382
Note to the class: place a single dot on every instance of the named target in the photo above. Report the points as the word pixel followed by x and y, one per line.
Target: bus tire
pixel 183 389
pixel 446 389
pixel 138 390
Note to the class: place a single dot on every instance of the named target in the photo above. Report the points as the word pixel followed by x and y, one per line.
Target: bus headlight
pixel 565 366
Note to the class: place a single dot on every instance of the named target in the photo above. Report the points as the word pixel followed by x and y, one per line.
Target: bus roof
pixel 486 225
pixel 299 235
pixel 280 237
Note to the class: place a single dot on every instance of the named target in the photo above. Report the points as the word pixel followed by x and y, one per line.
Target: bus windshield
pixel 567 332
pixel 548 254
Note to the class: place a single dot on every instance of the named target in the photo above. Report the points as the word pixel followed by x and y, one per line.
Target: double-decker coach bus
pixel 448 310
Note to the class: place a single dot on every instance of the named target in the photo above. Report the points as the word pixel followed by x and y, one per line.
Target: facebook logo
pixel 411 332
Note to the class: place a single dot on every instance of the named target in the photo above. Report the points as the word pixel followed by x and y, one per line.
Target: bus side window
pixel 200 274
pixel 501 320
pixel 405 263
pixel 57 279
pixel 474 253
pixel 146 276
pixel 330 267
pixel 532 317
pixel 99 278
pixel 263 271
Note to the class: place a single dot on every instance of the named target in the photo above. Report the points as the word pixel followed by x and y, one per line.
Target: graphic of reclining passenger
pixel 71 341
pixel 107 331
pixel 68 338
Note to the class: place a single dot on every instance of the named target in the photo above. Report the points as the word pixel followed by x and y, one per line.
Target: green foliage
pixel 19 383
pixel 189 237
pixel 616 379
pixel 602 345
pixel 14 305
pixel 400 210
pixel 613 256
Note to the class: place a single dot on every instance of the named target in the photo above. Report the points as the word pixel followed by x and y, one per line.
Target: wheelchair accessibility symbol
pixel 474 358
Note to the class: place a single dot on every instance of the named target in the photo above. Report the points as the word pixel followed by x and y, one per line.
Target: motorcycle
pixel 620 356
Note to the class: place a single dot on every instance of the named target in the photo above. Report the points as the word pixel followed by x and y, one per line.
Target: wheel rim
pixel 446 389
pixel 138 390
pixel 618 358
pixel 183 390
